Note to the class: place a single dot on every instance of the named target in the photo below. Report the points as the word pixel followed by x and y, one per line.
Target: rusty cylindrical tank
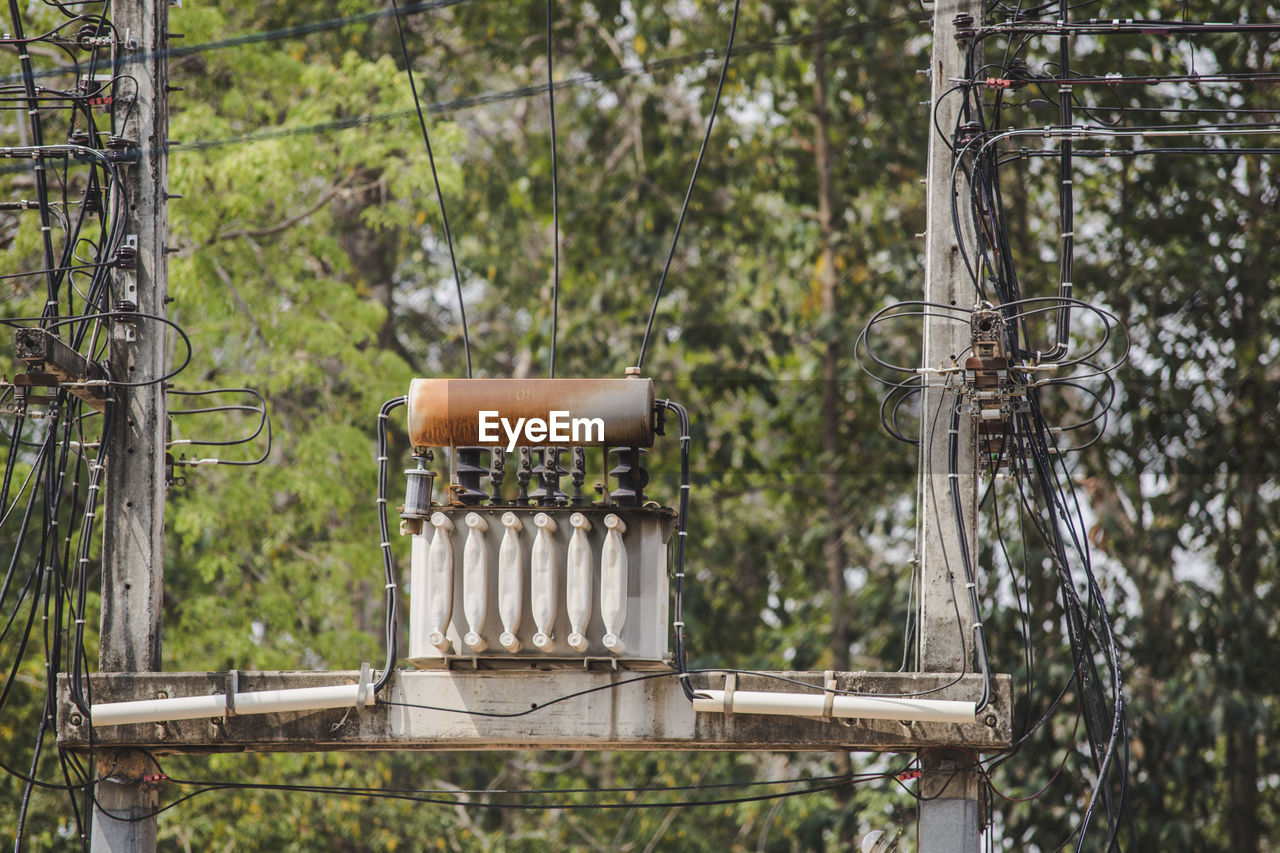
pixel 446 412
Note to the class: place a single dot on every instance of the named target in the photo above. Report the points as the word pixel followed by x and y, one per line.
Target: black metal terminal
pixel 630 474
pixel 549 471
pixel 578 474
pixel 524 471
pixel 497 471
pixel 469 471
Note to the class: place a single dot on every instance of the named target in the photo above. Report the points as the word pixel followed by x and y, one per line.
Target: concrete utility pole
pixel 949 814
pixel 133 553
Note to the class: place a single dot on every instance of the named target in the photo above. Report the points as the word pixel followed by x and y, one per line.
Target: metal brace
pixel 730 685
pixel 129 287
pixel 362 692
pixel 229 693
pixel 828 693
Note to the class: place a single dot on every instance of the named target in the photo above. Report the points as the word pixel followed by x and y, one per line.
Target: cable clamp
pixel 232 687
pixel 677 624
pixel 977 625
pixel 828 693
pixel 363 691
pixel 730 686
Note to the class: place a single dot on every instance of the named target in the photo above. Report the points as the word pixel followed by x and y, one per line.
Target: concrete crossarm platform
pixel 629 711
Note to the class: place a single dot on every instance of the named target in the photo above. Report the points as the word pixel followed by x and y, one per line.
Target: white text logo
pixel 558 428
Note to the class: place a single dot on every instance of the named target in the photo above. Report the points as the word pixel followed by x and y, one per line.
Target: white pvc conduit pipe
pixel 238 704
pixel 829 704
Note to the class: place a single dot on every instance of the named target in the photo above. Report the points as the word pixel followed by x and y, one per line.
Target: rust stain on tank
pixel 446 412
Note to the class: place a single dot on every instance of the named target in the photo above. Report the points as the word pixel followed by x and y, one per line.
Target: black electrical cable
pixel 388 560
pixel 463 803
pixel 682 535
pixel 555 201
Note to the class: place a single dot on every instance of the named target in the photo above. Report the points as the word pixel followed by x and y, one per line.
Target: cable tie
pixel 381 500
pixel 677 624
pixel 79 621
pixel 971 585
pixel 382 459
pixel 682 532
pixel 390 586
pixel 386 544
pixel 953 476
pixel 1066 234
pixel 977 624
pixel 685 486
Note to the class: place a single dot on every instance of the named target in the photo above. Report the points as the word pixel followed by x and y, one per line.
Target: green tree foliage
pixel 312 266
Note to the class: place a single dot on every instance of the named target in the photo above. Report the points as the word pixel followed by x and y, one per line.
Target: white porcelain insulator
pixel 418 570
pixel 578 586
pixel 510 582
pixel 543 591
pixel 475 581
pixel 439 609
pixel 613 583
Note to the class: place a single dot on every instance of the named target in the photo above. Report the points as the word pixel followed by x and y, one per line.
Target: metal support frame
pixel 428 710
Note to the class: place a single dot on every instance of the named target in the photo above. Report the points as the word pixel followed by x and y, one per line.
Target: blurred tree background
pixel 311 265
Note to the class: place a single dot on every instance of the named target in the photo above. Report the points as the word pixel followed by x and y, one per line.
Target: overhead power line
pixel 259 37
pixel 539 90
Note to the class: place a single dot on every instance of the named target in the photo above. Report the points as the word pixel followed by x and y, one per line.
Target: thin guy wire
pixel 693 179
pixel 435 178
pixel 555 203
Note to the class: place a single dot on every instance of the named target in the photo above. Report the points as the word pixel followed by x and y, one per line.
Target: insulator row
pixel 526 582
pixel 539 473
